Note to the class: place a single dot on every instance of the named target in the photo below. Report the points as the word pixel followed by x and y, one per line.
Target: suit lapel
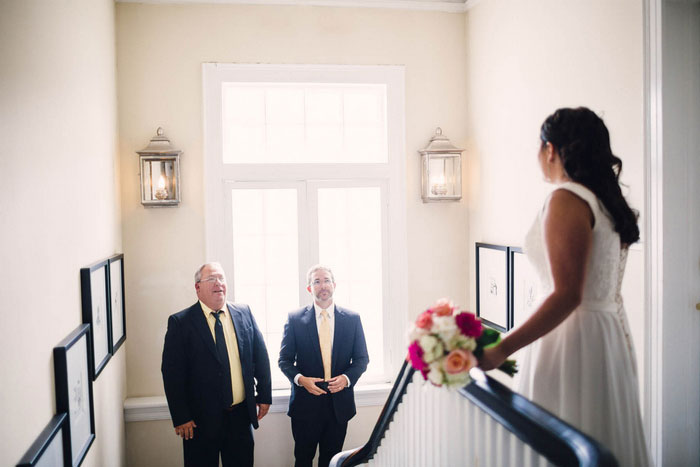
pixel 309 319
pixel 200 324
pixel 337 337
pixel 238 326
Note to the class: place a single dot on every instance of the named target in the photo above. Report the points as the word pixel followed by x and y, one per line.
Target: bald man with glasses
pixel 216 374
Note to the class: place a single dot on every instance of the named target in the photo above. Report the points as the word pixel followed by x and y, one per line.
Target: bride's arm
pixel 568 235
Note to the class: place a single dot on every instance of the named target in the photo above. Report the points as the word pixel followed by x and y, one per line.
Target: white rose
pixel 432 348
pixel 416 333
pixel 436 375
pixel 457 380
pixel 460 341
pixel 445 326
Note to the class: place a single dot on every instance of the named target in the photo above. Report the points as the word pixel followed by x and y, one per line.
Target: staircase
pixel 482 424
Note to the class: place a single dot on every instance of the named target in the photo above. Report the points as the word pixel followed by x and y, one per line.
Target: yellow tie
pixel 324 336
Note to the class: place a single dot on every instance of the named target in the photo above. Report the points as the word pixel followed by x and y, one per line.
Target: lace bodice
pixel 606 265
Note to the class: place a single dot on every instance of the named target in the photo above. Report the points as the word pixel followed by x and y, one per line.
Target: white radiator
pixel 435 427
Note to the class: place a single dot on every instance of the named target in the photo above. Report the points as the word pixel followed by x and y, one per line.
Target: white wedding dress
pixel 584 371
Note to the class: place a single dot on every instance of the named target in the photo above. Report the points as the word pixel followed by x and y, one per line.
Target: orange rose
pixel 459 360
pixel 443 307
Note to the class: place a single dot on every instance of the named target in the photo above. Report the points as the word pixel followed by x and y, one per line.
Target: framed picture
pixel 94 288
pixel 74 393
pixel 523 284
pixel 47 450
pixel 117 307
pixel 492 285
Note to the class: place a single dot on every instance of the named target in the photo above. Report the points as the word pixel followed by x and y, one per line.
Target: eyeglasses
pixel 317 282
pixel 212 279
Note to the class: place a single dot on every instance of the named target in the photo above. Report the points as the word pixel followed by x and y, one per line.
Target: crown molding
pixel 449 6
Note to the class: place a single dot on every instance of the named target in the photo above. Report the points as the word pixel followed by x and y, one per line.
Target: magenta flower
pixel 415 355
pixel 468 324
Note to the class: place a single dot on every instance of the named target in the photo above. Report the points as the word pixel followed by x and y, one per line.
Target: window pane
pixel 265 260
pixel 350 242
pixel 303 123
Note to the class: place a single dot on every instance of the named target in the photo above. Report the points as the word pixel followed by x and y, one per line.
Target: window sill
pixel 141 409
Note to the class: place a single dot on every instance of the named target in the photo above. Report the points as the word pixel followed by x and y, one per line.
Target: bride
pixel 581 364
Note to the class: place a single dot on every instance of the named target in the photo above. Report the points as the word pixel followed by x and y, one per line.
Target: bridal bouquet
pixel 446 343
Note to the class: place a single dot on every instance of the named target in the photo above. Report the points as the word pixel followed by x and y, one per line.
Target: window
pixel 304 165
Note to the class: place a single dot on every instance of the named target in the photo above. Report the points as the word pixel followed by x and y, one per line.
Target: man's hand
pixel 337 384
pixel 262 410
pixel 310 385
pixel 186 430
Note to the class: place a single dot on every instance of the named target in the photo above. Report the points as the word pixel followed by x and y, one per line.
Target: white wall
pixel 59 207
pixel 525 60
pixel 160 49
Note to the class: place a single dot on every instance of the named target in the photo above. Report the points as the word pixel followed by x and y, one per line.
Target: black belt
pixel 234 407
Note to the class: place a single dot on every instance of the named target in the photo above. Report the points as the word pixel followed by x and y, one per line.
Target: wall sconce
pixel 160 172
pixel 441 173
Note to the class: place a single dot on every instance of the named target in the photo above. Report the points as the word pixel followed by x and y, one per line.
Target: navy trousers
pixel 322 431
pixel 234 443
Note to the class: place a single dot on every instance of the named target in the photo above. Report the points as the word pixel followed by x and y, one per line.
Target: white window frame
pixel 219 178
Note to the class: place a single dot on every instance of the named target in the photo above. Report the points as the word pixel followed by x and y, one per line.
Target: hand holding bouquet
pixel 446 344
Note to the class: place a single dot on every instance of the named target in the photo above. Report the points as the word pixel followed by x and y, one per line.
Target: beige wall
pixel 160 49
pixel 526 59
pixel 59 205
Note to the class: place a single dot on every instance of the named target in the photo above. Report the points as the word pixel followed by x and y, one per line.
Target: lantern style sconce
pixel 441 173
pixel 160 172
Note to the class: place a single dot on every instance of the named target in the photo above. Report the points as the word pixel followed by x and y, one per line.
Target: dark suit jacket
pixel 301 353
pixel 192 374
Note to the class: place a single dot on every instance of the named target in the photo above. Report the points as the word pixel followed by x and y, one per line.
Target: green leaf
pixel 488 338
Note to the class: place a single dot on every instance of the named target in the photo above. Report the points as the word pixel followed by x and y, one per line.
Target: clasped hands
pixel 335 384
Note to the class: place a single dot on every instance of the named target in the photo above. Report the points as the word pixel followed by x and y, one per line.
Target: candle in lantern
pixel 161 192
pixel 438 187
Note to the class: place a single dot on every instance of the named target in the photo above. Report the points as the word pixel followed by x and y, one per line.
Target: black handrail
pixel 548 435
pixel 365 453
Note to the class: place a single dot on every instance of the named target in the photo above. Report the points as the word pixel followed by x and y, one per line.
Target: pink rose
pixel 459 360
pixel 425 320
pixel 415 356
pixel 468 324
pixel 443 307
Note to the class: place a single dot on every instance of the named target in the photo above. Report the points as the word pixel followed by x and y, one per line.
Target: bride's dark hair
pixel 583 143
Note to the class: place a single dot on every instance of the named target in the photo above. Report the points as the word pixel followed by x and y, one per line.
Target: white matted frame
pixel 48 449
pixel 523 285
pixel 117 304
pixel 492 285
pixel 220 177
pixel 94 286
pixel 74 393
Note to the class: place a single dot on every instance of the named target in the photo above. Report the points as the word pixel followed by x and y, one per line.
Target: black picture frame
pixel 492 303
pixel 117 304
pixel 74 395
pixel 522 287
pixel 48 448
pixel 94 285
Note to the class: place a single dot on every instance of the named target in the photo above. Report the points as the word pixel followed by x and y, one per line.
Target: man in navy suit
pixel 323 354
pixel 213 357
